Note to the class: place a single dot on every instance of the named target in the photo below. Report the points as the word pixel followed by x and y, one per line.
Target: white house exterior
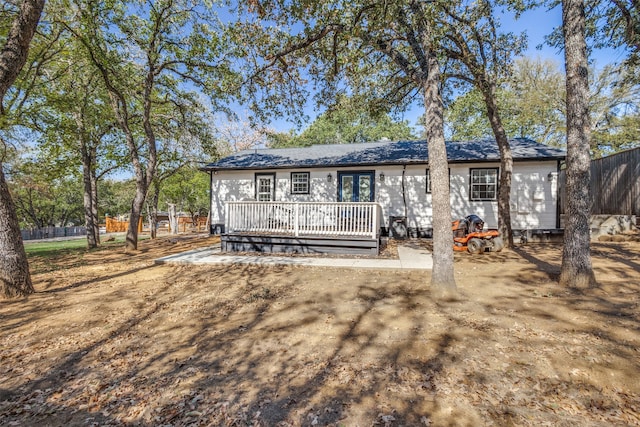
pixel 396 176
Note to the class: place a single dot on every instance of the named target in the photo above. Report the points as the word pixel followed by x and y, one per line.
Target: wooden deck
pixel 285 227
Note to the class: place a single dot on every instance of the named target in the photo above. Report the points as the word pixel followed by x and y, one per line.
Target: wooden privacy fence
pixel 113 225
pixel 615 184
pixel 201 223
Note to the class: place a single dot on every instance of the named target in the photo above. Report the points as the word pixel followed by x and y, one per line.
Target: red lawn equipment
pixel 468 235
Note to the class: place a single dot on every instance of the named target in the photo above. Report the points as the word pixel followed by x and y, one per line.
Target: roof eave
pixel 214 167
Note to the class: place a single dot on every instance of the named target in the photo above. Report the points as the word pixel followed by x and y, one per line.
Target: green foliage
pixel 114 197
pixel 74 120
pixel 616 24
pixel 281 139
pixel 347 123
pixel 43 199
pixel 532 105
pixel 466 117
pixel 615 111
pixel 156 60
pixel 616 134
pixel 21 100
pixel 293 48
pixel 188 189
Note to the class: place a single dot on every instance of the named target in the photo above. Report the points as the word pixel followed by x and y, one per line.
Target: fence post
pixel 296 225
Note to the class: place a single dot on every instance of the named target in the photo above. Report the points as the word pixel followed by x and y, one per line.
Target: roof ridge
pixel 381 153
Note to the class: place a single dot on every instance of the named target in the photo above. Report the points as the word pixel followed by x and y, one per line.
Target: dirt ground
pixel 111 339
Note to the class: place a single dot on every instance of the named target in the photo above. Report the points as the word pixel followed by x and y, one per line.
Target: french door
pixel 356 186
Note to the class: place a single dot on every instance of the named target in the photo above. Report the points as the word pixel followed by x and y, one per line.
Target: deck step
pixel 307 245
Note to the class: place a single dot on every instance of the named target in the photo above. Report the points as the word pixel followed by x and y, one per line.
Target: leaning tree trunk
pixel 143 179
pixel 442 277
pixel 16 48
pixel 506 163
pixel 119 105
pixel 14 266
pixel 577 270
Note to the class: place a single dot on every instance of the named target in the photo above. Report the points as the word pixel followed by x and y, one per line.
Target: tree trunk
pixel 137 205
pixel 143 176
pixel 153 212
pixel 577 270
pixel 14 266
pixel 506 163
pixel 94 204
pixel 442 277
pixel 143 180
pixel 93 238
pixel 173 218
pixel 16 48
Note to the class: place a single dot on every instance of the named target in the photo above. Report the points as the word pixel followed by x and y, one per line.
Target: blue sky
pixel 537 24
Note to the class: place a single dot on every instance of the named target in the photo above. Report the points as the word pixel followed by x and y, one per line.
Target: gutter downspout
pixel 558 194
pixel 210 202
pixel 404 194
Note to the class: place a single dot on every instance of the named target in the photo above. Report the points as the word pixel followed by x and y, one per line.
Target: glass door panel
pixel 355 186
pixel 346 185
pixel 364 192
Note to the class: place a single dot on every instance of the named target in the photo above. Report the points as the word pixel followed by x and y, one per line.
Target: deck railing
pixel 304 219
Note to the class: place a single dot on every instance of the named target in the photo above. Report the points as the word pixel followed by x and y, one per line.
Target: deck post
pixel 374 226
pixel 296 219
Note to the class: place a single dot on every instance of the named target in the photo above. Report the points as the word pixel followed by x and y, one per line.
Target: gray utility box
pixel 398 227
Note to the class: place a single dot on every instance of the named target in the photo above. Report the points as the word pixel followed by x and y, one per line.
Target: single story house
pixel 367 190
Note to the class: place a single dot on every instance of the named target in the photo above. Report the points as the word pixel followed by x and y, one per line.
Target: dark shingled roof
pixel 380 153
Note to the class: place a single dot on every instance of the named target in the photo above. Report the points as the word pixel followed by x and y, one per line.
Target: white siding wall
pixel 533 195
pixel 238 186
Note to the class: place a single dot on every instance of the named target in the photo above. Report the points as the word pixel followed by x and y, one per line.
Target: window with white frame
pixel 299 182
pixel 265 187
pixel 483 184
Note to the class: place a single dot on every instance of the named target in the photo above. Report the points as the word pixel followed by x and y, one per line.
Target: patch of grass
pixel 47 249
pixel 50 249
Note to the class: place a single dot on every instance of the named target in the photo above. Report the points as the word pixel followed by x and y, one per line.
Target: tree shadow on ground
pixel 244 354
pixel 551 270
pixel 264 345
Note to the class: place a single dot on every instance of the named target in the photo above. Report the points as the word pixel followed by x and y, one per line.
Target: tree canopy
pixel 532 102
pixel 143 79
pixel 345 123
pixel 386 54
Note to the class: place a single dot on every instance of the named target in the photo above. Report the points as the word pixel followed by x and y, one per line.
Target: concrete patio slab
pixel 409 259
